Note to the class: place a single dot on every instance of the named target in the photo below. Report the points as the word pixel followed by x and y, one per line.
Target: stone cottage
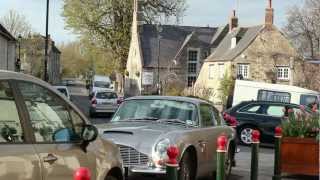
pixel 159 54
pixel 7 50
pixel 258 53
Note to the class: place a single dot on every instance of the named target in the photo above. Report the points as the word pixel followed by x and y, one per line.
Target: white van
pixel 250 90
pixel 100 83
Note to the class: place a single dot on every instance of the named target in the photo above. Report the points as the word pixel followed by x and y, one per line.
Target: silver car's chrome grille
pixel 132 157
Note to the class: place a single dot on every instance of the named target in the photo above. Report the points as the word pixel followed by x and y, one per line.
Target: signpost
pixel 147 78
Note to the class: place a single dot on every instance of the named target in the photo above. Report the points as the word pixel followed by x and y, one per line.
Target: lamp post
pixel 45 77
pixel 159 30
pixel 18 63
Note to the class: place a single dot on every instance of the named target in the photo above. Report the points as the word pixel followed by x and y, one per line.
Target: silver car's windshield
pixel 156 110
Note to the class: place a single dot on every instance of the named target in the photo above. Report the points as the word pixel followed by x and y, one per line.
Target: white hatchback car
pixel 104 101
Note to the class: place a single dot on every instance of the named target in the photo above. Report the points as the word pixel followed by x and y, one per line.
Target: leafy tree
pixel 226 88
pixel 303 27
pixel 16 24
pixel 107 23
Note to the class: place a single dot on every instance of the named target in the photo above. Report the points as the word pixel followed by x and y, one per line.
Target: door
pixel 57 131
pixel 209 132
pixel 271 121
pixel 18 159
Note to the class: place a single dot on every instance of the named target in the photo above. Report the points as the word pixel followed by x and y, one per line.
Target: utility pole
pixel 159 30
pixel 45 77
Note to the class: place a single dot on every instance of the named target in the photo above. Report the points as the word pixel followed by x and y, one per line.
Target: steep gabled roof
pixel 173 39
pixel 245 36
pixel 6 34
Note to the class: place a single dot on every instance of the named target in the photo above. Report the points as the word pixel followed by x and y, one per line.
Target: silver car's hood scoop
pixel 138 135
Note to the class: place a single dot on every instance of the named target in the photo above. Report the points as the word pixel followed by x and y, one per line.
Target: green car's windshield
pixel 156 110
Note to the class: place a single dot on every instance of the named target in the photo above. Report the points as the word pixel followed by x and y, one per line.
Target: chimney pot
pixel 233 21
pixel 269 18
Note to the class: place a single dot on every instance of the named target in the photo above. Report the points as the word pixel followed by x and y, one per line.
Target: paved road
pixel 243 158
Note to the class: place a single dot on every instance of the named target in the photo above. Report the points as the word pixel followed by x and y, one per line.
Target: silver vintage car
pixel 144 127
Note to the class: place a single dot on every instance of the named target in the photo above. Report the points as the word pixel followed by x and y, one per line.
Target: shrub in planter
pixel 300 143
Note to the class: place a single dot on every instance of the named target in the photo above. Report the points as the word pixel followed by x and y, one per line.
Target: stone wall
pixel 269 51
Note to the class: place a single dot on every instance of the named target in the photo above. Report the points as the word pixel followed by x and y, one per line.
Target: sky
pixel 199 13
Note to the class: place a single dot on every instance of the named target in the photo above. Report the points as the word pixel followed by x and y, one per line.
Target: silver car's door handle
pixel 202 145
pixel 50 158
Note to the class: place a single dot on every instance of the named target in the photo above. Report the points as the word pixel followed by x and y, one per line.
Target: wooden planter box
pixel 300 156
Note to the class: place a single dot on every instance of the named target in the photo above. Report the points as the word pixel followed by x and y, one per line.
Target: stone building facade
pixel 159 54
pixel 258 53
pixel 7 50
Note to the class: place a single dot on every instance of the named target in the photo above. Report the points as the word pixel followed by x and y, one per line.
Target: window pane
pixel 221 70
pixel 106 95
pixel 211 71
pixel 193 56
pixel 191 80
pixel 206 116
pixel 264 95
pixel 192 67
pixel 253 109
pixel 48 114
pixel 275 111
pixel 10 126
pixel 309 100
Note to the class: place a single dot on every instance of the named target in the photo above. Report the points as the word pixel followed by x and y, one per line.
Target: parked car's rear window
pixel 101 84
pixel 106 95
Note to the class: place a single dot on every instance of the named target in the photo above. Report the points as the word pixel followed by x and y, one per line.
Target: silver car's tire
pixel 187 167
pixel 244 135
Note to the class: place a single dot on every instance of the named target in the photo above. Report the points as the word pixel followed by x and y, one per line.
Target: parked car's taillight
pixel 119 100
pixel 93 102
pixel 230 120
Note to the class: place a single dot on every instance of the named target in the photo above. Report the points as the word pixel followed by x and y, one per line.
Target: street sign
pixel 147 78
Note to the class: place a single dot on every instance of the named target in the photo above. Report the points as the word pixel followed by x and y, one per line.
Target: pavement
pixel 243 158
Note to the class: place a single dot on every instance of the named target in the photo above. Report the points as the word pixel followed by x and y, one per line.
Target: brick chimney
pixel 233 21
pixel 269 16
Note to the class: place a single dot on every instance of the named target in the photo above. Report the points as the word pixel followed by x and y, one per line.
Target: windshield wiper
pixel 142 119
pixel 172 120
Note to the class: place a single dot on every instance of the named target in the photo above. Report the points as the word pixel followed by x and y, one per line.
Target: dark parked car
pixel 258 115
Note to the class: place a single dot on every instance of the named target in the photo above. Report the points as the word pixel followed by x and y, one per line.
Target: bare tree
pixel 303 27
pixel 16 24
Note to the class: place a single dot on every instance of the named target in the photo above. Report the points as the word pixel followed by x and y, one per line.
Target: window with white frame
pixel 192 61
pixel 221 70
pixel 191 80
pixel 283 73
pixel 211 71
pixel 243 70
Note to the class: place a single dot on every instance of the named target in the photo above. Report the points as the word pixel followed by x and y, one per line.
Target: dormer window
pixel 234 41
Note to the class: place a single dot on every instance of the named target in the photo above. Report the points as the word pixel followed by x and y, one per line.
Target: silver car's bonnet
pixel 141 136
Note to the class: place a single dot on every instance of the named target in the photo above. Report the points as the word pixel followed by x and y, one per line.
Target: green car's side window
pixel 10 125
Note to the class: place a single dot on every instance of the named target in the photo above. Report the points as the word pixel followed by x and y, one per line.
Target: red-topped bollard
pixel 82 173
pixel 277 156
pixel 255 154
pixel 172 163
pixel 221 153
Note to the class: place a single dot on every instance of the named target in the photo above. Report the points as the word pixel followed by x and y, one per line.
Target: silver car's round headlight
pixel 160 152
